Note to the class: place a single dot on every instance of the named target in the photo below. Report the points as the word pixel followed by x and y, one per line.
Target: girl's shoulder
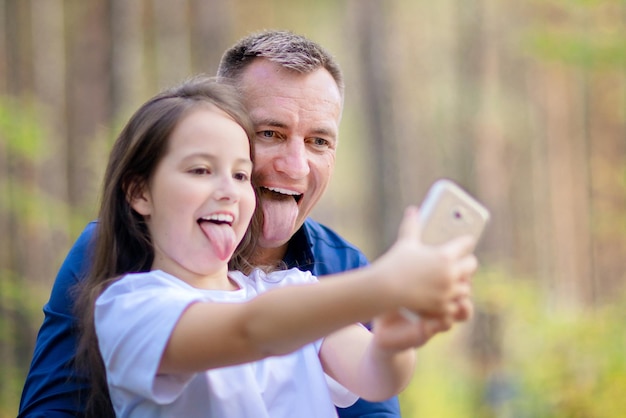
pixel 146 281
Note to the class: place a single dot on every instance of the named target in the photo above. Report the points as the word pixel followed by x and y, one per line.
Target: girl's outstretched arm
pixel 423 279
pixel 210 335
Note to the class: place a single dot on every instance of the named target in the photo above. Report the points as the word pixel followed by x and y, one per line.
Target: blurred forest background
pixel 523 103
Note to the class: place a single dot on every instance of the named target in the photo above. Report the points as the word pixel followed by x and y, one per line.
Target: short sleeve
pixel 134 319
pixel 340 396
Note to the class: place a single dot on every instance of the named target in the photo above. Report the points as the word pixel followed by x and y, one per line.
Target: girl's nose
pixel 227 189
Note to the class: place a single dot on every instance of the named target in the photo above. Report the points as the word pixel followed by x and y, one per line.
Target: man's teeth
pixel 220 217
pixel 283 191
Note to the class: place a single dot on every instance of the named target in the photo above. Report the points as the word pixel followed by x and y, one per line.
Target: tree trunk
pixel 128 82
pixel 371 32
pixel 171 42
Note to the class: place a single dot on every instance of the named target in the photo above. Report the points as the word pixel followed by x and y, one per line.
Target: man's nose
pixel 293 159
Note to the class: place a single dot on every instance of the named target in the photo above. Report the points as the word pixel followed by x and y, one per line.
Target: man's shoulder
pixel 78 258
pixel 74 268
pixel 331 252
pixel 320 233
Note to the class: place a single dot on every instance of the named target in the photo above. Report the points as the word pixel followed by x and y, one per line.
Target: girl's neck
pixel 215 281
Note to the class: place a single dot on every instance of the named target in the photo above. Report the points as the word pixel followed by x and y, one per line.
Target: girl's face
pixel 199 201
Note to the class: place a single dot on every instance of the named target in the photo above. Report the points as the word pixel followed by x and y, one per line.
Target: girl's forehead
pixel 209 127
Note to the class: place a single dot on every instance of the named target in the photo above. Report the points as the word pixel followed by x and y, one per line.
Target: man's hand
pixel 397 331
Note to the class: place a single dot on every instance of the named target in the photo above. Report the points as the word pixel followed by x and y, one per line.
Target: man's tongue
pixel 280 218
pixel 222 238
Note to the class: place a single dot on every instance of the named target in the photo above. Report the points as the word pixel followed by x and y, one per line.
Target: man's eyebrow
pixel 270 122
pixel 325 132
pixel 274 123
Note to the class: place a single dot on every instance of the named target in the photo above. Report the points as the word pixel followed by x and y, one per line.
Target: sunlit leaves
pixel 586 33
pixel 20 131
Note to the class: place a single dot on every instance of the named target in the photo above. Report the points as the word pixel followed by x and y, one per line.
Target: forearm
pixel 307 313
pixel 274 323
pixel 390 371
pixel 353 357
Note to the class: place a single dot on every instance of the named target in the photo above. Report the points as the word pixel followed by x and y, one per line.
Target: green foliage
pixel 554 363
pixel 599 51
pixel 582 33
pixel 19 307
pixel 577 367
pixel 25 202
pixel 20 129
pixel 23 138
pixel 33 211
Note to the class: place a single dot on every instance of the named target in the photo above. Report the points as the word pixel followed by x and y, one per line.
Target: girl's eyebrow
pixel 213 157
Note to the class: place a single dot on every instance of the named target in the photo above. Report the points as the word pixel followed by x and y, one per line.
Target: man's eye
pixel 268 134
pixel 320 142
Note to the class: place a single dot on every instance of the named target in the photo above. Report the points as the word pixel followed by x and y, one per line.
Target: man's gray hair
pixel 282 47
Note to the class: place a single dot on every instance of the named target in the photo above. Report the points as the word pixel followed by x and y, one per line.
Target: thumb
pixel 410 227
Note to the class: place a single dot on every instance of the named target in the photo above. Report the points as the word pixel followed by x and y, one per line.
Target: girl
pixel 172 328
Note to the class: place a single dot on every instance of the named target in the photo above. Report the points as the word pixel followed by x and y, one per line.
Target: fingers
pixel 400 330
pixel 458 309
pixel 464 309
pixel 410 227
pixel 433 326
pixel 466 263
pixel 460 247
pixel 460 252
pixel 462 290
pixel 468 266
pixel 443 289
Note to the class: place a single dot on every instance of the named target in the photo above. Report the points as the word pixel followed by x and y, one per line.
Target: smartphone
pixel 449 212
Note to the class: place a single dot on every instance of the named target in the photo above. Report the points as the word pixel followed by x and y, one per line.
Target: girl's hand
pixel 428 280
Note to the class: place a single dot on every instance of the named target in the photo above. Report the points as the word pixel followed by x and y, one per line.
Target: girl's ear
pixel 139 199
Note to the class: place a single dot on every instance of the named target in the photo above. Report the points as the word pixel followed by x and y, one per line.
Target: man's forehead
pixel 262 72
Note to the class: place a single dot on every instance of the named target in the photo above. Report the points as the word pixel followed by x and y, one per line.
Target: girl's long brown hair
pixel 122 241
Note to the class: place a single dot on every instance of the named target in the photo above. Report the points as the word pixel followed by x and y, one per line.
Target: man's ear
pixel 139 199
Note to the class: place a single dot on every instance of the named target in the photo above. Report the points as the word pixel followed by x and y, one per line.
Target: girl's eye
pixel 200 171
pixel 241 176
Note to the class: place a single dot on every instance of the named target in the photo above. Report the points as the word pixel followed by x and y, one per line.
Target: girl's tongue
pixel 222 238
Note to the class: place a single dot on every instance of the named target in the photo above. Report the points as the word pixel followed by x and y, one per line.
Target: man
pixel 294 91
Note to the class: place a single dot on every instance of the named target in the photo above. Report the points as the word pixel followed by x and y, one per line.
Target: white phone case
pixel 449 212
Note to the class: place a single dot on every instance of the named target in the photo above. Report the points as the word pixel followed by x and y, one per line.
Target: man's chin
pixel 273 243
pixel 269 252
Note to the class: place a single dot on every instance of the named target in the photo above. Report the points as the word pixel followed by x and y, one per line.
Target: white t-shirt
pixel 136 315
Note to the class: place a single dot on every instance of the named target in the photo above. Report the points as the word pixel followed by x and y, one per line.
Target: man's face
pixel 296 118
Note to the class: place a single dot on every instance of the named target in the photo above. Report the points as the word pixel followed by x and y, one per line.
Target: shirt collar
pixel 299 251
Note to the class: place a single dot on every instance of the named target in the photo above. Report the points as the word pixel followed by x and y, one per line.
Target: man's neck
pixel 269 256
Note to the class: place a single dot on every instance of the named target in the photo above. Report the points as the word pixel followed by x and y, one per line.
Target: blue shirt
pixel 52 387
